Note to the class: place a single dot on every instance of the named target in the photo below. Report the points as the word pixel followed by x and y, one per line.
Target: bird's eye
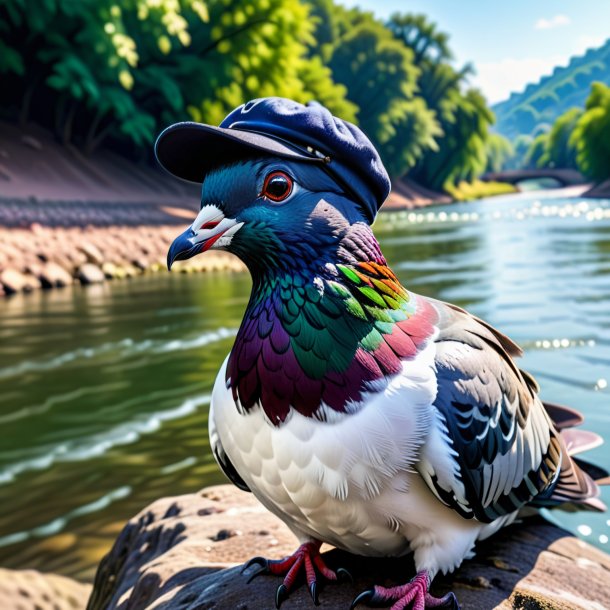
pixel 277 186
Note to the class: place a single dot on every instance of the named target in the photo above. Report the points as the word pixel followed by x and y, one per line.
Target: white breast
pixel 348 481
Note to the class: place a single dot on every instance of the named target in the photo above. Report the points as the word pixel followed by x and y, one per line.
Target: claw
pixel 365 596
pixel 313 591
pixel 306 559
pixel 344 576
pixel 413 594
pixel 448 601
pixel 281 595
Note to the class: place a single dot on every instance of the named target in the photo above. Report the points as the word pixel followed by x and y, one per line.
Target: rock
pixel 141 263
pixel 118 251
pixel 182 553
pixel 13 281
pixel 90 274
pixel 110 270
pixel 31 283
pixel 53 276
pixel 92 253
pixel 32 590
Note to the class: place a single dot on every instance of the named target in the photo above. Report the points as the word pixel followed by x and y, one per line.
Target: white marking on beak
pixel 207 214
pixel 211 222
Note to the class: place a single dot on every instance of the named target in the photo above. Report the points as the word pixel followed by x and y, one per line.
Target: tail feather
pixel 578 441
pixel 597 473
pixel 563 417
pixel 575 489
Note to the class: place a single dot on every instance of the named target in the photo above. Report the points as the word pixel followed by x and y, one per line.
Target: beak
pixel 210 230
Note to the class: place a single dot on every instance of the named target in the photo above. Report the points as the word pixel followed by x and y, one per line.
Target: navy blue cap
pixel 281 127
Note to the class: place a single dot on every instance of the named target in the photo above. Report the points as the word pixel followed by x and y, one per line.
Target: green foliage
pixel 560 149
pixel 462 152
pixel 520 145
pixel 553 95
pixel 380 77
pixel 591 135
pixel 125 71
pixel 463 119
pixel 99 71
pixel 421 36
pixel 257 49
pixel 499 152
pixel 409 131
pixel 536 151
pixel 477 189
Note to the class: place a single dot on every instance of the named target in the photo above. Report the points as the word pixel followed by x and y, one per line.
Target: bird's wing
pixel 494 447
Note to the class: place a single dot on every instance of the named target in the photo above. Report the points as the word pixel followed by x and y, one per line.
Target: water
pixel 104 390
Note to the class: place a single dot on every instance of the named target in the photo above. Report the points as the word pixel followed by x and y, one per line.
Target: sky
pixel 511 43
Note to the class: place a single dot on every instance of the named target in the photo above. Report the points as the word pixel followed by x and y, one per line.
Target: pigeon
pixel 362 414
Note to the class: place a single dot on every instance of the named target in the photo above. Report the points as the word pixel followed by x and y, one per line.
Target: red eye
pixel 277 187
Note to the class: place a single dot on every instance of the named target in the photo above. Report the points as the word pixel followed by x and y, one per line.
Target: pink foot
pixel 306 557
pixel 414 595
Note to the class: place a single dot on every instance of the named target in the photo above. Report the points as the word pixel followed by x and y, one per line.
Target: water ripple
pixel 125 347
pixel 57 525
pixel 60 398
pixel 98 444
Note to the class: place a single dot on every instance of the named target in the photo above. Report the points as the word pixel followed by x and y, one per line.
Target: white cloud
pixel 553 22
pixel 499 79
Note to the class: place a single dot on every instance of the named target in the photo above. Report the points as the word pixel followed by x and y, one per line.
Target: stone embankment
pixel 60 245
pixel 186 553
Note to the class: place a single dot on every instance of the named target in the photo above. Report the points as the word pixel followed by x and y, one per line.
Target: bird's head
pixel 270 212
pixel 282 182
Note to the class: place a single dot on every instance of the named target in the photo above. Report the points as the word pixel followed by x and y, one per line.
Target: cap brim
pixel 191 150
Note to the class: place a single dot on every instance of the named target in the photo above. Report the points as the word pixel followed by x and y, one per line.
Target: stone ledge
pixel 185 553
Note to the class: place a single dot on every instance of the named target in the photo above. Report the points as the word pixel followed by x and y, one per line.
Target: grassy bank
pixel 478 189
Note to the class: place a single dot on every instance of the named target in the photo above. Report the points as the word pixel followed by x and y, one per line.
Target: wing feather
pixel 504 444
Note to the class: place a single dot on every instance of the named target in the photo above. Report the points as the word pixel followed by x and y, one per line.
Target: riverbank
pixel 54 257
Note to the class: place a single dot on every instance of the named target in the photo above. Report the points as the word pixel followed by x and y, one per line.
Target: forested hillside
pixel 540 104
pixel 102 73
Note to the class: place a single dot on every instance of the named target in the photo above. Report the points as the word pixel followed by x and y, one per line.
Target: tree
pixel 119 72
pixel 421 36
pixel 462 153
pixel 559 148
pixel 499 151
pixel 380 77
pixel 520 146
pixel 460 150
pixel 591 136
pixel 536 151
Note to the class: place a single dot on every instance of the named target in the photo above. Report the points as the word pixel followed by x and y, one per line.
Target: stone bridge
pixel 565 177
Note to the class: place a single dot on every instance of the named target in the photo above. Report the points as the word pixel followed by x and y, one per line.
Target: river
pixel 104 390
